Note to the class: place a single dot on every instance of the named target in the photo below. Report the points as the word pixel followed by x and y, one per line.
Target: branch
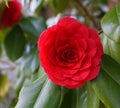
pixel 87 13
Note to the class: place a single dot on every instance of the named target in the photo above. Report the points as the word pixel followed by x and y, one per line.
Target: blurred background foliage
pixel 19 63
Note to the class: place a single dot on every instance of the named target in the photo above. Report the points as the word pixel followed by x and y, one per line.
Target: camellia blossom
pixel 10 15
pixel 70 53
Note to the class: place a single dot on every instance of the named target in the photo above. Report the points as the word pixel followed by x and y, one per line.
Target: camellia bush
pixel 59 54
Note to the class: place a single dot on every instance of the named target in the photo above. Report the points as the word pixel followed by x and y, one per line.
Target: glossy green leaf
pixel 111 67
pixel 49 97
pixel 74 98
pixel 111 33
pixel 19 83
pixel 28 67
pixel 15 43
pixel 39 73
pixel 83 97
pixel 92 99
pixel 107 90
pixel 69 99
pixel 29 94
pixel 111 48
pixel 86 97
pixel 105 44
pixel 41 93
pixel 3 34
pixel 111 24
pixel 30 62
pixel 33 26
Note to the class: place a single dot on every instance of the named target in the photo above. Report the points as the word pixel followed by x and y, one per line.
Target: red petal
pixel 93 73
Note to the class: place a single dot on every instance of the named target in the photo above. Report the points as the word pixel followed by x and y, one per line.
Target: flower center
pixel 68 55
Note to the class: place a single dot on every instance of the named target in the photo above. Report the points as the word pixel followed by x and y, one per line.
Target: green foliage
pixel 33 26
pixel 111 36
pixel 30 62
pixel 15 43
pixel 27 66
pixel 103 92
pixel 112 68
pixel 92 100
pixel 41 93
pixel 29 94
pixel 33 88
pixel 19 83
pixel 107 90
pixel 83 97
pixel 3 34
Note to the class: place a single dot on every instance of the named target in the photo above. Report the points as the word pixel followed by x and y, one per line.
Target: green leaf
pixel 69 99
pixel 111 33
pixel 111 67
pixel 19 83
pixel 29 62
pixel 38 74
pixel 102 105
pixel 87 97
pixel 111 48
pixel 3 34
pixel 83 97
pixel 15 43
pixel 49 97
pixel 28 67
pixel 41 93
pixel 74 98
pixel 92 99
pixel 107 90
pixel 33 26
pixel 111 24
pixel 29 94
pixel 105 43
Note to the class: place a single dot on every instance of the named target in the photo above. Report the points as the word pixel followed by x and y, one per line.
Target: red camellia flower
pixel 11 14
pixel 70 53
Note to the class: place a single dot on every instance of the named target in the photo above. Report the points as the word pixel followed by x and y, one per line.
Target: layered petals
pixel 70 53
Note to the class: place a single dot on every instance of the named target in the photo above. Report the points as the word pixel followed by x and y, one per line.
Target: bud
pixel 9 15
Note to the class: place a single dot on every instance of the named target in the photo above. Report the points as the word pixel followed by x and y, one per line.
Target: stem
pixel 100 31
